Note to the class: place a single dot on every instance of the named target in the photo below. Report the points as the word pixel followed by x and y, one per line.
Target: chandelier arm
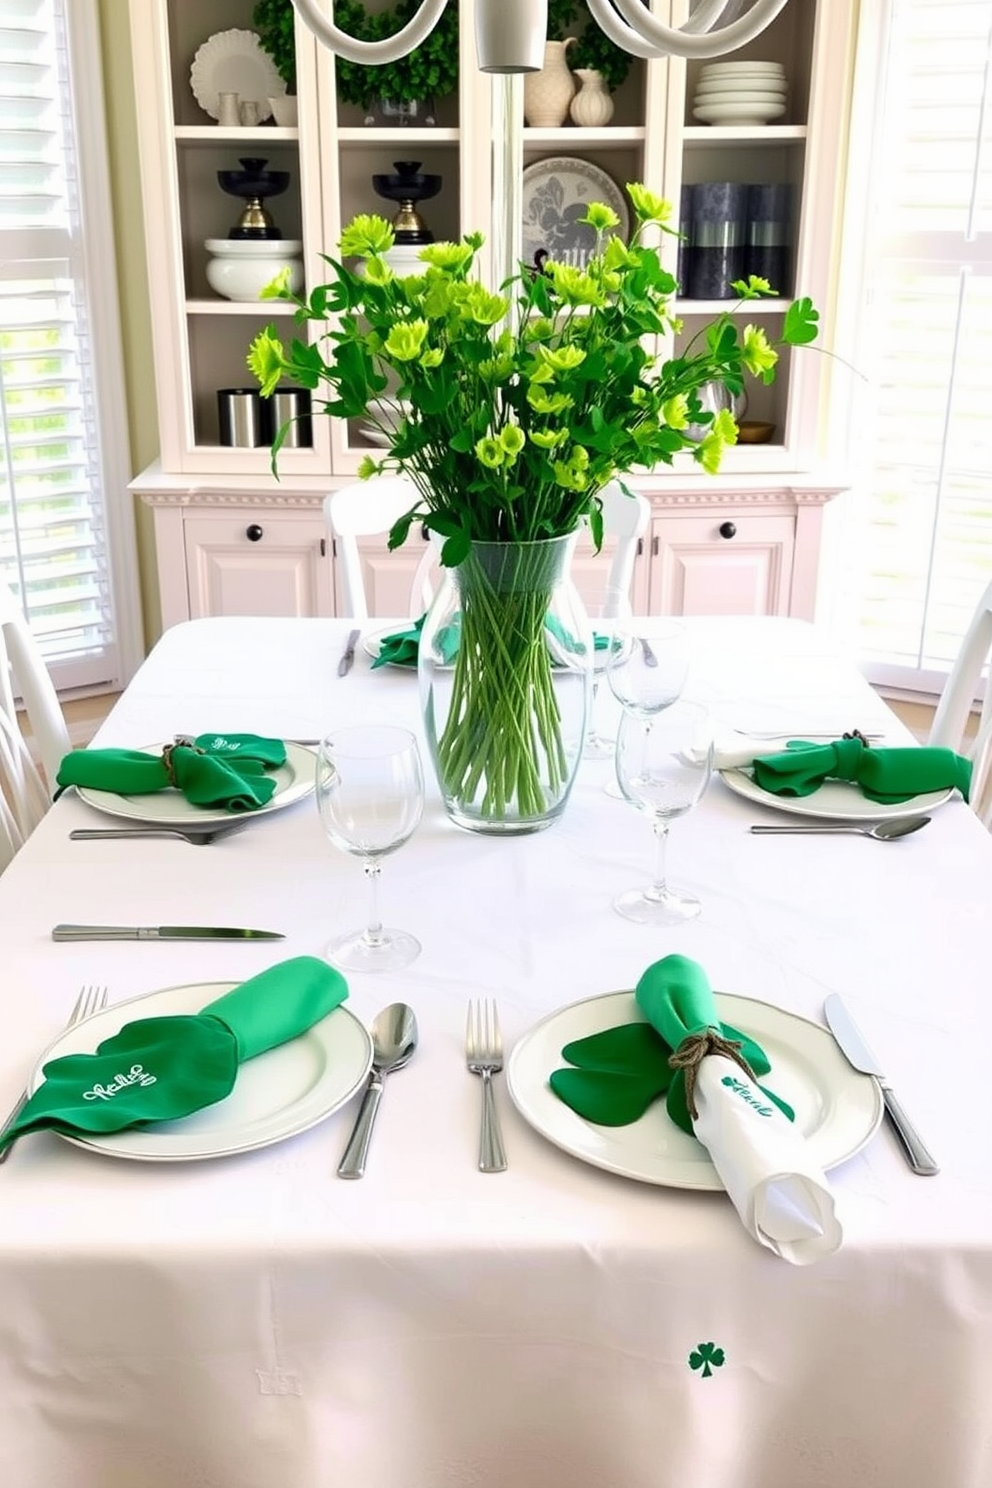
pixel 704 15
pixel 644 35
pixel 371 53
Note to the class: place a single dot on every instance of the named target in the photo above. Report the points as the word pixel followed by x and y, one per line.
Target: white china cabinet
pixel 232 538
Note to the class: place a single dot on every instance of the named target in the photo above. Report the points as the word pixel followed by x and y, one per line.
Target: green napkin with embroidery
pixel 401 648
pixel 216 771
pixel 163 1068
pixel 886 775
pixel 623 1070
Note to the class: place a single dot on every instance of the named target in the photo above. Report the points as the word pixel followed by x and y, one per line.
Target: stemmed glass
pixel 370 795
pixel 663 765
pixel 609 621
pixel 647 664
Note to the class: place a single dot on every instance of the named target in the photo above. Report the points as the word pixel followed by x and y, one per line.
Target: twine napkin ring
pixel 693 1050
pixel 167 752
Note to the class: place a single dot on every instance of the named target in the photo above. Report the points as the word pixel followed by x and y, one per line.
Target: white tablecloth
pixel 255 1322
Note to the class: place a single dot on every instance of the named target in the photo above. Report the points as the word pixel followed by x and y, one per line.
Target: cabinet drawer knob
pixel 255 533
pixel 728 529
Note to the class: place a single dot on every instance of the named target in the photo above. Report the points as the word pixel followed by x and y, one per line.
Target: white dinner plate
pixel 276 1095
pixel 170 808
pixel 234 62
pixel 836 800
pixel 837 1109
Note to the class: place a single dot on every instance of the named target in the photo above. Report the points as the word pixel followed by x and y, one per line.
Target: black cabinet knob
pixel 254 533
pixel 728 529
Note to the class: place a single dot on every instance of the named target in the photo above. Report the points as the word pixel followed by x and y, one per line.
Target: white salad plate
pixel 837 1109
pixel 170 808
pixel 276 1095
pixel 742 99
pixel 234 62
pixel 836 800
pixel 734 69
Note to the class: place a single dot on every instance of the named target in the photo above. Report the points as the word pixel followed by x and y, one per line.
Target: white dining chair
pixel 369 509
pixel 963 686
pixel 626 518
pixel 25 792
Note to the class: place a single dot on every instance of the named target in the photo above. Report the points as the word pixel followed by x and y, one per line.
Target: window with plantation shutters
pixel 917 282
pixel 66 544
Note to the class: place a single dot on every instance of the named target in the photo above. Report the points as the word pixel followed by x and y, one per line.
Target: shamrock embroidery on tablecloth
pixel 705 1354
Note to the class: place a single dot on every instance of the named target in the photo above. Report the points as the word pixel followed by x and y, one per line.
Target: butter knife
pixel 857 1053
pixel 161 932
pixel 345 664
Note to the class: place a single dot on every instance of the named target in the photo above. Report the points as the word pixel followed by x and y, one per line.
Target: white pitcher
pixel 548 93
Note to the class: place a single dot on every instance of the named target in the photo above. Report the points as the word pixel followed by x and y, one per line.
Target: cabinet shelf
pixel 265 308
pixel 200 340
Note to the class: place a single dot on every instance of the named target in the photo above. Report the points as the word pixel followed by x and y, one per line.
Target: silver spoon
pixel 883 831
pixel 394 1038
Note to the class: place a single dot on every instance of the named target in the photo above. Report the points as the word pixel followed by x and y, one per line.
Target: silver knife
pixel 857 1053
pixel 344 665
pixel 160 932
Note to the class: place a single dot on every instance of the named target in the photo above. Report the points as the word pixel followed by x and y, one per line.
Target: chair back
pixel 626 518
pixel 25 794
pixel 364 509
pixel 950 721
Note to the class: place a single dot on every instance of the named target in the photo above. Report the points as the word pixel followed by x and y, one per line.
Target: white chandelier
pixel 510 34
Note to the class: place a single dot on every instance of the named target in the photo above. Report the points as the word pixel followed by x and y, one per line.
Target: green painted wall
pixel 125 185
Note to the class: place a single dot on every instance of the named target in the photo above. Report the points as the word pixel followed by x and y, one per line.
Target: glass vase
pixel 505 667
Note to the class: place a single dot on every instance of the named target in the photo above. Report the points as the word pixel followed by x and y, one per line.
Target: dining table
pixel 239 1316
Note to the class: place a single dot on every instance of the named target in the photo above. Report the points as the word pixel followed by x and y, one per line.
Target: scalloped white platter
pixel 234 62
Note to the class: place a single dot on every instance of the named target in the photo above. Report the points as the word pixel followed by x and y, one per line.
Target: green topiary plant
pixel 429 71
pixel 273 21
pixel 593 47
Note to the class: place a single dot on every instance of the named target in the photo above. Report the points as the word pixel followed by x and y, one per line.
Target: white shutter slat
pixel 923 435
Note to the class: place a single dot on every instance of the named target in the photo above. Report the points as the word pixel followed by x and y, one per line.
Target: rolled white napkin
pixel 782 1197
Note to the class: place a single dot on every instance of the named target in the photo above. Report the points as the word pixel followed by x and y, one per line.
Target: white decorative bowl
pixel 240 268
pixel 738 115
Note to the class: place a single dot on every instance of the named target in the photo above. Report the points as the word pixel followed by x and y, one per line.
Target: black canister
pixel 769 235
pixel 685 228
pixel 716 255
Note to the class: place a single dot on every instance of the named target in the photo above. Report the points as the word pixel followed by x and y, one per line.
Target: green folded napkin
pixel 159 1069
pixel 884 775
pixel 230 771
pixel 622 1070
pixel 401 648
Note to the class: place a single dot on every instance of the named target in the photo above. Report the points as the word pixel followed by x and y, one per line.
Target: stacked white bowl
pixel 740 93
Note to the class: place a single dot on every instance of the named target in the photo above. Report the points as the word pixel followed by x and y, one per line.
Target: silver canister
pixel 292 406
pixel 243 421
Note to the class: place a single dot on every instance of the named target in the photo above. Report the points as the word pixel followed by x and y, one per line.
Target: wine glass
pixel 648 663
pixel 609 620
pixel 370 795
pixel 663 765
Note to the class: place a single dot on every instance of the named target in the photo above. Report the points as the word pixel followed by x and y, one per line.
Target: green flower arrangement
pixel 429 71
pixel 514 408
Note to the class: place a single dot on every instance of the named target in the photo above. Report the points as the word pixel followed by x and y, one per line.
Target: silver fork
pixel 198 836
pixel 90 1000
pixel 484 1056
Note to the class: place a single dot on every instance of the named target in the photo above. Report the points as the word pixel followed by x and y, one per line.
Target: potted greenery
pixel 593 50
pixel 429 72
pixel 274 24
pixel 508 428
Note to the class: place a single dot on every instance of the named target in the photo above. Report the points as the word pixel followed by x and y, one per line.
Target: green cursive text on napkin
pixel 159 1069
